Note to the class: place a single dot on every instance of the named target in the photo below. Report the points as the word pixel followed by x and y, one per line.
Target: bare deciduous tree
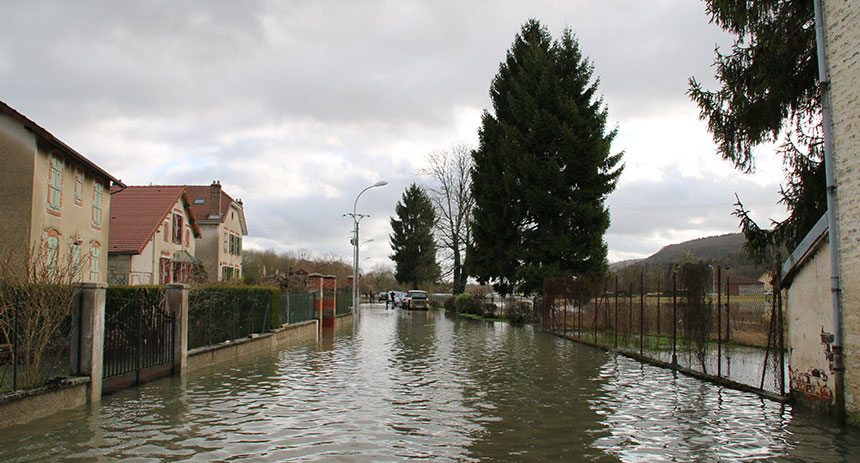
pixel 450 189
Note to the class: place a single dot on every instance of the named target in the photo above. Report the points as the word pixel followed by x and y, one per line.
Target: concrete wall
pixel 842 32
pixel 288 334
pixel 808 313
pixel 17 149
pixel 43 401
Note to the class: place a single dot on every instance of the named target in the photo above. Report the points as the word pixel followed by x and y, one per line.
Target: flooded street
pixel 418 385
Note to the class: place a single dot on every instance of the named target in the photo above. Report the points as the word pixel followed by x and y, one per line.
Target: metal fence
pixel 297 307
pixel 139 334
pixel 679 319
pixel 217 314
pixel 343 301
pixel 39 335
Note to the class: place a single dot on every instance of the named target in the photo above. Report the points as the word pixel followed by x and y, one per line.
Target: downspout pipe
pixel 832 230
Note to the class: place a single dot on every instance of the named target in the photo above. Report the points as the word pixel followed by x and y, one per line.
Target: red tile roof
pixel 205 209
pixel 136 212
pixel 209 213
pixel 66 149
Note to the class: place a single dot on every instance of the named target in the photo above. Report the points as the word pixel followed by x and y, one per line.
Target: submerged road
pixel 409 386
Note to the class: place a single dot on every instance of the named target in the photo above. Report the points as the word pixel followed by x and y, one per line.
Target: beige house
pixel 57 202
pixel 222 226
pixel 153 236
pixel 811 325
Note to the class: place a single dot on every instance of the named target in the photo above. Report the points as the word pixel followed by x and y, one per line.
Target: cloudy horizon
pixel 297 106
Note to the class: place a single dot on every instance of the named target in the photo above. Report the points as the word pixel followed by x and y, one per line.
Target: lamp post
pixel 356 217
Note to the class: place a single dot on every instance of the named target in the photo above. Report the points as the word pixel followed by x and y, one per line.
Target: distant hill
pixel 723 250
pixel 707 249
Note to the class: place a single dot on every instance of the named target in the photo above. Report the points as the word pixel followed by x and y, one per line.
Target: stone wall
pixel 842 32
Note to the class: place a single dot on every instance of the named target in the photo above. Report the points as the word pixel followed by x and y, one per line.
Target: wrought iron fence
pixel 343 301
pixel 677 318
pixel 298 307
pixel 39 335
pixel 138 329
pixel 217 313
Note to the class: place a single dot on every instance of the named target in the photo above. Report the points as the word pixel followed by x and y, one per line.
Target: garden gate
pixel 138 343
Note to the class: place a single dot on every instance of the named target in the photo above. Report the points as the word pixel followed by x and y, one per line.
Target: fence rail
pixel 675 320
pixel 298 307
pixel 39 333
pixel 217 314
pixel 343 301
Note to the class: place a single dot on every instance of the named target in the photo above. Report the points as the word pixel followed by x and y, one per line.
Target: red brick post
pixel 328 300
pixel 315 285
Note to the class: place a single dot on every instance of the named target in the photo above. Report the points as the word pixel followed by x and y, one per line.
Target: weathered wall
pixel 207 248
pixel 17 150
pixel 808 313
pixel 289 334
pixel 842 32
pixel 40 402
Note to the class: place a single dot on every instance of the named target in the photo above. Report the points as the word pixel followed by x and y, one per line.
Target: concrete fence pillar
pixel 177 306
pixel 92 336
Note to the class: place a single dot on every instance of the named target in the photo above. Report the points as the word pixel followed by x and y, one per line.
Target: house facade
pixel 842 34
pixel 811 324
pixel 153 236
pixel 222 226
pixel 58 202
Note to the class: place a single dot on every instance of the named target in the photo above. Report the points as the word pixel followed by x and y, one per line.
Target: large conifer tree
pixel 543 167
pixel 412 239
pixel 769 92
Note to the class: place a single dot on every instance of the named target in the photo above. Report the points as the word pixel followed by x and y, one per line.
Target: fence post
pixel 719 323
pixel 177 305
pixel 616 311
pixel 92 336
pixel 674 318
pixel 641 313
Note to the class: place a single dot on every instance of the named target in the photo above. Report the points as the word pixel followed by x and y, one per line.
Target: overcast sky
pixel 297 106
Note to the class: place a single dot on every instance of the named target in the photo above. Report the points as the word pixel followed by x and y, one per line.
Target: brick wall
pixel 842 32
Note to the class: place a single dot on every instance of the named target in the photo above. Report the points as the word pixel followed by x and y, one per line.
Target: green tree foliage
pixel 412 239
pixel 769 92
pixel 543 167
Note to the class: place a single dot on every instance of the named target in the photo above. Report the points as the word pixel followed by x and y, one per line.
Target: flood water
pixel 409 386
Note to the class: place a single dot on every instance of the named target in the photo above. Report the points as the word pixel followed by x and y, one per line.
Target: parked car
pixel 415 300
pixel 398 297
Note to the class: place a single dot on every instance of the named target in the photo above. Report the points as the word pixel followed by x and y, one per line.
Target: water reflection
pixel 417 385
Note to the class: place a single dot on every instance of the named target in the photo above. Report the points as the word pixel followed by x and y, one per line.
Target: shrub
pixel 519 313
pixel 489 309
pixel 450 304
pixel 468 303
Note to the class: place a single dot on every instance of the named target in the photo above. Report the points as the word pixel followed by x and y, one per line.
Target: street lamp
pixel 356 217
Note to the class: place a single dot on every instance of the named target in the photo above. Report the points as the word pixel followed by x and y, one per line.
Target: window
pixel 98 193
pixel 53 248
pixel 238 245
pixel 226 237
pixel 94 262
pixel 76 259
pixel 199 200
pixel 187 238
pixel 166 231
pixel 177 228
pixel 226 273
pixel 55 183
pixel 165 270
pixel 79 186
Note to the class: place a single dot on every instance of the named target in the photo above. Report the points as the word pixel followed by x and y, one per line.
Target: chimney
pixel 215 199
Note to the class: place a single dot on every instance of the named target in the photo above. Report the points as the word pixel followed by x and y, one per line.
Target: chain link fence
pixel 678 318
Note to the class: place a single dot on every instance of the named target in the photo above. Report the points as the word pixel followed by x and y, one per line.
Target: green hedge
pixel 220 313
